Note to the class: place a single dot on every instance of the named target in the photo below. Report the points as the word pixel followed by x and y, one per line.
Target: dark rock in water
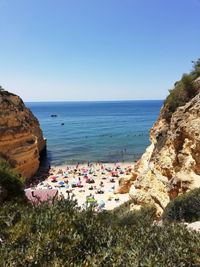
pixel 62 124
pixel 54 115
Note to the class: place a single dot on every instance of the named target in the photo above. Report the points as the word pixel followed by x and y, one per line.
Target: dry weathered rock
pixel 195 226
pixel 171 164
pixel 21 139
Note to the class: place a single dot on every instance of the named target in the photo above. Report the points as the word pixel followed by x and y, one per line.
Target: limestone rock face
pixel 171 164
pixel 21 139
pixel 195 226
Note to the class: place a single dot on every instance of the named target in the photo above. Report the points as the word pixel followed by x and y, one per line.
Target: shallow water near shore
pixel 115 131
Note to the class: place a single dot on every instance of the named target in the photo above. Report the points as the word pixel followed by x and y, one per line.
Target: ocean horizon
pixel 96 131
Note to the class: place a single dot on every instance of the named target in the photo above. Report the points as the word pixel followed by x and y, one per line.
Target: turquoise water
pixel 96 131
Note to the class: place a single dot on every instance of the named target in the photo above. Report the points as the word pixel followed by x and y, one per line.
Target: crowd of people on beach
pixel 91 184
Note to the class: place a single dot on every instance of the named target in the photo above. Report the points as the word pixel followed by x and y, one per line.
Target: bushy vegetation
pixel 62 235
pixel 184 208
pixel 183 90
pixel 10 180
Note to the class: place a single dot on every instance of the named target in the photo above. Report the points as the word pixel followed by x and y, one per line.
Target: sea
pixel 110 131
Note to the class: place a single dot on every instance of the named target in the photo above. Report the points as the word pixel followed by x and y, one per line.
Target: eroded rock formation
pixel 171 164
pixel 21 139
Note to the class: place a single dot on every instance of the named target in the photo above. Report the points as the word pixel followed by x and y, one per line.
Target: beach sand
pixel 72 180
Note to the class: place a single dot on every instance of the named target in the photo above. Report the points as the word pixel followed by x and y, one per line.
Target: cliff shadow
pixel 43 171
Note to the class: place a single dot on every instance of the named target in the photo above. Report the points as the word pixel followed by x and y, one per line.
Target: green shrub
pixel 184 208
pixel 183 91
pixel 10 180
pixel 124 216
pixel 196 68
pixel 63 235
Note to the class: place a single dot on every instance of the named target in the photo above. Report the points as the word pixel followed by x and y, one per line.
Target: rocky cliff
pixel 171 164
pixel 21 139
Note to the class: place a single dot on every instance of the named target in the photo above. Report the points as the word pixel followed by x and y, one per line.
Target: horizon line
pixel 53 101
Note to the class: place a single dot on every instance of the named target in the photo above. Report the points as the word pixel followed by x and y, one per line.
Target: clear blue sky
pixel 96 49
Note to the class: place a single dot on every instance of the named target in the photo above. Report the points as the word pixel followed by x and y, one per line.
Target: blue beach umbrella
pixel 61 183
pixel 101 204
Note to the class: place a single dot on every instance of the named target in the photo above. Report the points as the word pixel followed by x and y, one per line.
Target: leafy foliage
pixel 63 235
pixel 183 91
pixel 10 180
pixel 196 67
pixel 184 208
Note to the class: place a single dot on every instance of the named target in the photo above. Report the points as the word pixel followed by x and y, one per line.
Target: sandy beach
pixel 90 184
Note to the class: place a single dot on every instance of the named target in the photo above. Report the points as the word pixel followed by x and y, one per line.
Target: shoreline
pixel 96 182
pixel 94 163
